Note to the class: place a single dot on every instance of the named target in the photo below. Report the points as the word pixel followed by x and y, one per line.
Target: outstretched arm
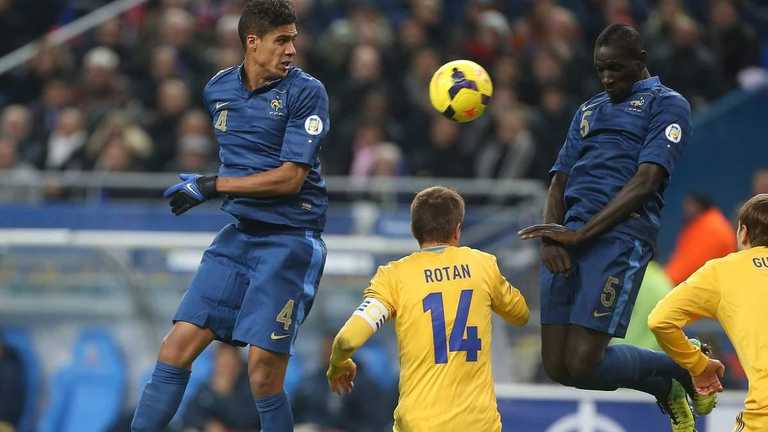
pixel 639 190
pixel 286 179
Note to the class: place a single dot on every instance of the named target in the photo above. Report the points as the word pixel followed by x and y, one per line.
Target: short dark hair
pixel 701 199
pixel 435 214
pixel 259 17
pixel 754 216
pixel 624 37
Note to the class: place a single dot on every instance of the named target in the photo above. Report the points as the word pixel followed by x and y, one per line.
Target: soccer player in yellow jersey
pixel 734 291
pixel 440 298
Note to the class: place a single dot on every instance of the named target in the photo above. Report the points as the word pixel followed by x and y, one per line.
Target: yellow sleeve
pixel 506 300
pixel 698 296
pixel 376 308
pixel 352 336
pixel 383 288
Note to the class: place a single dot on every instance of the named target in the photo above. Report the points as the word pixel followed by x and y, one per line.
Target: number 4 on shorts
pixel 284 317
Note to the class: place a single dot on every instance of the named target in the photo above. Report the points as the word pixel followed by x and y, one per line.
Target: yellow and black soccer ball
pixel 460 90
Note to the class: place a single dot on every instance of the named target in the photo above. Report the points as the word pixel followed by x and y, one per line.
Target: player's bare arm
pixel 554 256
pixel 286 179
pixel 640 188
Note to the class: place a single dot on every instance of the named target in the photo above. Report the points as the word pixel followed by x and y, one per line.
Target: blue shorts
pixel 600 291
pixel 255 287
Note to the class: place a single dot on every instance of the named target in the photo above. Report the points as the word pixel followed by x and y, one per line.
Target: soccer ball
pixel 460 90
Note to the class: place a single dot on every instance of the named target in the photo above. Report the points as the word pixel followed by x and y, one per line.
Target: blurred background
pixel 101 107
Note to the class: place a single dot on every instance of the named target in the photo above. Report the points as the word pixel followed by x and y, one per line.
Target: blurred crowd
pixel 126 96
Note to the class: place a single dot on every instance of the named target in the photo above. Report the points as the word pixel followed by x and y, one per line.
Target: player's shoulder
pixel 298 78
pixel 222 77
pixel 667 97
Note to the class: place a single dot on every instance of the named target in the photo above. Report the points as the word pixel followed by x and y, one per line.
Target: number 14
pixel 433 303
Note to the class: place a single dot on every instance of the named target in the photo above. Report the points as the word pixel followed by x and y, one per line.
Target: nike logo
pixel 275 336
pixel 192 190
pixel 221 104
pixel 597 314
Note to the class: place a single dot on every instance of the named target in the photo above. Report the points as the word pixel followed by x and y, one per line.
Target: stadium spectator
pixel 224 403
pixel 119 144
pixel 698 81
pixel 21 174
pixel 16 124
pixel 57 95
pixel 193 154
pixel 707 234
pixel 172 101
pixel 733 40
pixel 553 116
pixel 760 181
pixel 104 88
pixel 65 147
pixel 444 157
pixel 510 152
pixel 12 387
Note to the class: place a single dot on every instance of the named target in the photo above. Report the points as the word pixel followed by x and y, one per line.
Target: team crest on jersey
pixel 636 105
pixel 313 125
pixel 276 107
pixel 674 133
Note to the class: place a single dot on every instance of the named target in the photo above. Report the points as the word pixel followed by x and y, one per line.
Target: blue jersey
pixel 284 121
pixel 608 141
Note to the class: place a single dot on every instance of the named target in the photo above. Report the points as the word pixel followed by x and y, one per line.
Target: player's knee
pixel 173 354
pixel 581 363
pixel 265 374
pixel 264 382
pixel 556 371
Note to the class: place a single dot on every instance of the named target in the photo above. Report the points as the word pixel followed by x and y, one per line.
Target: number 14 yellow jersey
pixel 441 300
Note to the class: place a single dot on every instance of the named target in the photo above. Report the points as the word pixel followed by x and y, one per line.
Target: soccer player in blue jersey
pixel 257 280
pixel 601 219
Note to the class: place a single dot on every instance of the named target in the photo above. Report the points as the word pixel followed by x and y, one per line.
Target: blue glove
pixel 193 190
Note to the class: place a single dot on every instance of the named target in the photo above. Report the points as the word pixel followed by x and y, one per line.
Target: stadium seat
pixel 87 395
pixel 21 341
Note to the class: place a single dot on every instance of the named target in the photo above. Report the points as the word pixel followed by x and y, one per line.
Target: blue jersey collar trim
pixel 646 84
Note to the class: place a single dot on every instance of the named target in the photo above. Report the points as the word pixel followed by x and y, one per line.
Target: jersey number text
pixel 433 303
pixel 221 121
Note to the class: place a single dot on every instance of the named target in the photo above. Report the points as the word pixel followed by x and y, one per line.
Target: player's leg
pixel 556 302
pixel 601 311
pixel 206 311
pixel 285 275
pixel 162 394
pixel 266 373
pixel 595 365
pixel 553 352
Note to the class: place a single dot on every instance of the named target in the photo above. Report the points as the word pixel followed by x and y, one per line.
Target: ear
pixel 743 236
pixel 643 58
pixel 252 41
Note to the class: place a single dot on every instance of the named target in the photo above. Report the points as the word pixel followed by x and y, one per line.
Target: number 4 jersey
pixel 441 300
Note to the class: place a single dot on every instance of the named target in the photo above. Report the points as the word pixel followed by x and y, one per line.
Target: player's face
pixel 617 71
pixel 274 52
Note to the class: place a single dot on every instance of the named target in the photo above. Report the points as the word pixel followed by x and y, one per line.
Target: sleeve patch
pixel 674 133
pixel 313 125
pixel 373 312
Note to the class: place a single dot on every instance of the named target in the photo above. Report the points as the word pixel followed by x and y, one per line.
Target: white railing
pixel 91 180
pixel 69 31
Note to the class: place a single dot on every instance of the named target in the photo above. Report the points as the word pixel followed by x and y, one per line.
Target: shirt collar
pixel 645 84
pixel 241 71
pixel 437 248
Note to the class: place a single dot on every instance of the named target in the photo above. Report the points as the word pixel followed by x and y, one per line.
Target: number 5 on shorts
pixel 285 314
